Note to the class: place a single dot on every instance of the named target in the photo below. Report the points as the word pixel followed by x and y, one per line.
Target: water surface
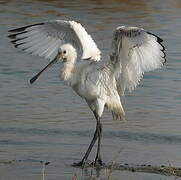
pixel 46 121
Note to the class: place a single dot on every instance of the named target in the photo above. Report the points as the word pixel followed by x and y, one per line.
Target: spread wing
pixel 135 51
pixel 44 39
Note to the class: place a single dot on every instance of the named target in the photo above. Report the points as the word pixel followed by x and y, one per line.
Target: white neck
pixel 69 73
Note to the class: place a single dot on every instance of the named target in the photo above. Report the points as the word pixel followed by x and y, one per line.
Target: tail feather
pixel 117 110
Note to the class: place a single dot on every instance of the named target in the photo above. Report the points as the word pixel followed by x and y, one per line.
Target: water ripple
pixel 142 137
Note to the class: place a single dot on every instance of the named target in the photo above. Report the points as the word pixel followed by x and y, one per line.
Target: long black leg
pixel 98 159
pixel 96 134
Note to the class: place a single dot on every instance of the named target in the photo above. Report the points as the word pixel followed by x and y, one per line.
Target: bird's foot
pixel 98 162
pixel 79 164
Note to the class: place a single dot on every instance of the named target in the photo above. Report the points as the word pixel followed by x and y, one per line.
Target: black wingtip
pixel 24 27
pixel 13 36
pixel 159 40
pixel 16 45
pixel 21 30
pixel 16 40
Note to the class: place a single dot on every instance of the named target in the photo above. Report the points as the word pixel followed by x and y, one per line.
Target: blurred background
pixel 46 121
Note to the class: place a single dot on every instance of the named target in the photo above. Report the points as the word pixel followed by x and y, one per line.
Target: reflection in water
pixel 93 173
pixel 38 122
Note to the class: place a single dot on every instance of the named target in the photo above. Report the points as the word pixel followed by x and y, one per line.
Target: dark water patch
pixel 31 143
pixel 19 143
pixel 142 137
pixel 145 137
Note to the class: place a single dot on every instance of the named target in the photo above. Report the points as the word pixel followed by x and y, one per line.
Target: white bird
pixel 134 51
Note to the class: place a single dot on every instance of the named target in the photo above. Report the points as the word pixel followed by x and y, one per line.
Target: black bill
pixel 33 79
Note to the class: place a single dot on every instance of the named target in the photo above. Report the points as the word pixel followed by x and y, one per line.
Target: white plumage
pixel 134 51
pixel 44 39
pixel 137 51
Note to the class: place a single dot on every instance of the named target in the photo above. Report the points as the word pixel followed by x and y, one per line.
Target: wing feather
pixel 44 39
pixel 135 51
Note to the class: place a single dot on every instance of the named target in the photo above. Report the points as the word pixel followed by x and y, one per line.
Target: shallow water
pixel 48 122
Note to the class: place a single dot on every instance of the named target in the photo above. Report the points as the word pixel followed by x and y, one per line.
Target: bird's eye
pixel 64 52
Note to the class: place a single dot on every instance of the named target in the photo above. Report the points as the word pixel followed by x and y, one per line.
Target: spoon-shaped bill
pixel 34 78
